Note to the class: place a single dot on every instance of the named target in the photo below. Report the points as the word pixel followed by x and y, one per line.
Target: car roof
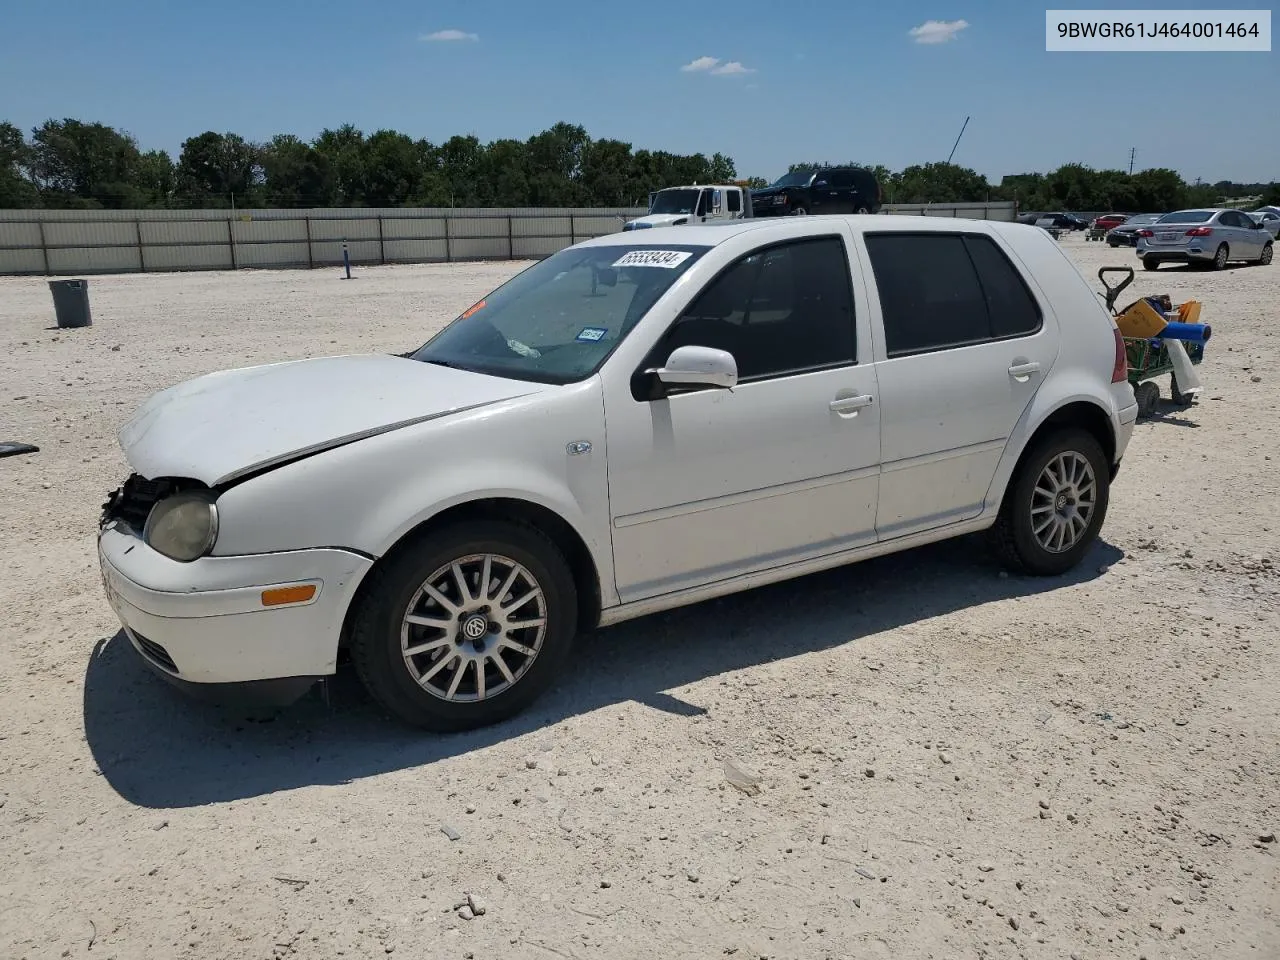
pixel 714 234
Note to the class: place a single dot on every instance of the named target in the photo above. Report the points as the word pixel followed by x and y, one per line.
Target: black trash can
pixel 71 302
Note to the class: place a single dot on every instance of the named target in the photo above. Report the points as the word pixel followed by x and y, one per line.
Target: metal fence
pixel 63 242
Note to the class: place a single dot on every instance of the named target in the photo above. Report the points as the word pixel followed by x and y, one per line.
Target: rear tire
pixel 419 688
pixel 1220 257
pixel 1150 263
pixel 1061 485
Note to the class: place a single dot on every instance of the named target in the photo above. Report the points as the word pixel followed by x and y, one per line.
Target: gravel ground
pixel 952 762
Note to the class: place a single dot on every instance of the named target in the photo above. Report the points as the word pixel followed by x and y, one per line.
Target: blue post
pixel 346 260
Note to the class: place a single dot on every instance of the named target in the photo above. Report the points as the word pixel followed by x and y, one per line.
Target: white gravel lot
pixel 955 763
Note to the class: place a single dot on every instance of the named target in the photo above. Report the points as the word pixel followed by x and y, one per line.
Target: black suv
pixel 827 190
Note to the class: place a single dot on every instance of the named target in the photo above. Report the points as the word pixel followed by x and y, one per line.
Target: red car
pixel 1109 221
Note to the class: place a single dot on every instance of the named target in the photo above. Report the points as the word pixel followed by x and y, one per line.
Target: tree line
pixel 70 164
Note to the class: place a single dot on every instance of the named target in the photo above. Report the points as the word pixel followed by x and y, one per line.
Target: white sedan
pixel 638 422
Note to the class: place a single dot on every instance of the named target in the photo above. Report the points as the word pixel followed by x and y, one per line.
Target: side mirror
pixel 700 366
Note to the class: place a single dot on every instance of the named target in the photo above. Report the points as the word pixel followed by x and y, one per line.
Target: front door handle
pixel 851 404
pixel 1021 371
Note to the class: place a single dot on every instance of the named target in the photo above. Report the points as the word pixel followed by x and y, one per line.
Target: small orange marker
pixel 281 595
pixel 472 309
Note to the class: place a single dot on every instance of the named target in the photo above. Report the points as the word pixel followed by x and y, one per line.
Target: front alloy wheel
pixel 474 628
pixel 465 625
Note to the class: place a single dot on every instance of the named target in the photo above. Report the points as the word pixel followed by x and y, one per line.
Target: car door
pixel 833 192
pixel 1252 239
pixel 966 345
pixel 706 484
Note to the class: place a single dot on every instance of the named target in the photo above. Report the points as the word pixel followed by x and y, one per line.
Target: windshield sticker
pixel 472 309
pixel 668 259
pixel 592 334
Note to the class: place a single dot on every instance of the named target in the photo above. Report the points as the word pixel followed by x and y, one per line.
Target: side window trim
pixel 657 353
pixel 964 235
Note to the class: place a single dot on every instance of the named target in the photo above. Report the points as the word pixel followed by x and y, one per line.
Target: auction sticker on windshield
pixel 669 259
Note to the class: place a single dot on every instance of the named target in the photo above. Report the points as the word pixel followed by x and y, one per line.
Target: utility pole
pixel 1132 152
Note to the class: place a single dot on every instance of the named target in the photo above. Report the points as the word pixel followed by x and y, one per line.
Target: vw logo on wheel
pixel 473 628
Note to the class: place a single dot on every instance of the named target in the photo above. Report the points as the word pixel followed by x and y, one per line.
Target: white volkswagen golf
pixel 635 423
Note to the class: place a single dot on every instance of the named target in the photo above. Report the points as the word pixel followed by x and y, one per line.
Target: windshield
pixel 674 201
pixel 1187 216
pixel 1143 218
pixel 798 179
pixel 559 320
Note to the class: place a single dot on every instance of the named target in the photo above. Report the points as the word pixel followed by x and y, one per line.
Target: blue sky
pixel 819 79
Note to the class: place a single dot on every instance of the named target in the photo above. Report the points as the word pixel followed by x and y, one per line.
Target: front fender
pixel 367 495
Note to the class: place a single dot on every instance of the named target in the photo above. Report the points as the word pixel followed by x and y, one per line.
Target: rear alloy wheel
pixel 1055 506
pixel 1267 254
pixel 1150 263
pixel 467 626
pixel 1220 257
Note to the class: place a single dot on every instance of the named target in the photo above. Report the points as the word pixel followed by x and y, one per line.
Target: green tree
pixel 393 168
pixel 16 189
pixel 218 169
pixel 78 164
pixel 296 174
pixel 344 150
pixel 940 183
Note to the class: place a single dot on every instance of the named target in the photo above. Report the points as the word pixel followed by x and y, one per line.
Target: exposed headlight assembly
pixel 184 526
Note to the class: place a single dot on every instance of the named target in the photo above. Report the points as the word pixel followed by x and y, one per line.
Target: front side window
pixel 734 201
pixel 942 290
pixel 559 320
pixel 783 310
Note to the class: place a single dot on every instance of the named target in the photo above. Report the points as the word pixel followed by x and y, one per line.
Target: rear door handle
pixel 1021 371
pixel 851 404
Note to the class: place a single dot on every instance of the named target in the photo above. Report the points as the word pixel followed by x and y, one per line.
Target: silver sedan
pixel 1213 237
pixel 1269 219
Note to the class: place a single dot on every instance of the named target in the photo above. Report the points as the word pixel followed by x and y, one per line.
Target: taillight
pixel 1145 233
pixel 1120 371
pixel 1200 232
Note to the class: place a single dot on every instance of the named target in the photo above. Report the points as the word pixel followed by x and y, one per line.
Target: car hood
pixel 765 193
pixel 227 425
pixel 661 219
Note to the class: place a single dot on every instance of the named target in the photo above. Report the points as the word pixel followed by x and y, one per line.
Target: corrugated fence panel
pixel 415 251
pixel 330 251
pixel 19 234
pixel 272 254
pixel 494 248
pixel 541 226
pixel 483 227
pixel 21 261
pixel 90 234
pixel 180 233
pixel 203 257
pixel 413 228
pixel 269 231
pixel 596 226
pixel 340 229
pixel 69 260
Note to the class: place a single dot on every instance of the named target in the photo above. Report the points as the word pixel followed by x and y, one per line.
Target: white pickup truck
pixel 674 206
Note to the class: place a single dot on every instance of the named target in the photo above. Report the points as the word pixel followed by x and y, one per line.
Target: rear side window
pixel 940 290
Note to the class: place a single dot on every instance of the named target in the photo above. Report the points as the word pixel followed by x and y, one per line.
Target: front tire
pixel 1055 504
pixel 1265 258
pixel 800 211
pixel 465 626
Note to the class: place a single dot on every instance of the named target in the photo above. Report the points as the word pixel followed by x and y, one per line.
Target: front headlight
pixel 780 198
pixel 183 527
